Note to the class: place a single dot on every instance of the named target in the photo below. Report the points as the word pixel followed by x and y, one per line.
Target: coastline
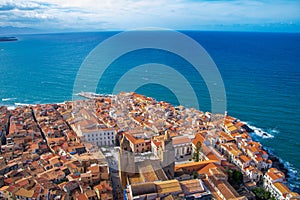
pixel 277 161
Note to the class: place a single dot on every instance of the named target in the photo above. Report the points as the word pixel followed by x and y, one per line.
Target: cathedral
pixel 135 171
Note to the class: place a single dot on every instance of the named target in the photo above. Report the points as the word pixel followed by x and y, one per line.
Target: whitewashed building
pixel 89 129
pixel 182 146
pixel 99 136
pixel 274 182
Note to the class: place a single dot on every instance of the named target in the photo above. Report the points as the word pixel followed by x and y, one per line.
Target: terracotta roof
pixel 253 149
pixel 169 186
pixel 24 193
pixel 22 182
pixel 282 188
pixel 4 188
pixel 157 143
pixel 229 118
pixel 227 191
pixel 239 124
pixel 94 169
pixel 245 158
pixel 8 181
pixel 212 156
pixel 226 136
pixel 232 128
pixel 212 189
pixel 12 189
pixel 81 197
pixel 294 194
pixel 198 138
pixel 181 140
pixel 258 158
pixel 194 164
pixel 134 140
pixel 228 124
pixel 275 174
pixel 192 186
pixel 98 187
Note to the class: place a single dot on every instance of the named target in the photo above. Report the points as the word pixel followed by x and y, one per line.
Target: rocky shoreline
pixel 276 162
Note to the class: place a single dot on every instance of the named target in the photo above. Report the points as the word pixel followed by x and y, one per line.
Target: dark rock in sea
pixel 249 130
pixel 8 39
pixel 264 134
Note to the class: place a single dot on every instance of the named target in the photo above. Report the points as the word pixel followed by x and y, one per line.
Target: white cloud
pixel 128 14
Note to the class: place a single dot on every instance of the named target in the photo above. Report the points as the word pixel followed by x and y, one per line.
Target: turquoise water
pixel 261 73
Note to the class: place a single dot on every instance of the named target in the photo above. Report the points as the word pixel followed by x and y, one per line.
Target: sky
pixel 89 15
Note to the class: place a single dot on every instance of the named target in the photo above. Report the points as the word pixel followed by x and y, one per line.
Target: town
pixel 129 146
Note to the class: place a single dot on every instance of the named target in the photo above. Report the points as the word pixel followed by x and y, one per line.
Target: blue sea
pixel 261 73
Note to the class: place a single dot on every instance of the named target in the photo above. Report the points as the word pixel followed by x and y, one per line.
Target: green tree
pixel 262 194
pixel 238 177
pixel 195 175
pixel 235 178
pixel 196 154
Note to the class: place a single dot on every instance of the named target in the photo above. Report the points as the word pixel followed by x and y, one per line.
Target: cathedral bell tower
pixel 126 161
pixel 168 156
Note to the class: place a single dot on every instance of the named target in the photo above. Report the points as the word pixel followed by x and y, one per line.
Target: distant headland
pixel 8 39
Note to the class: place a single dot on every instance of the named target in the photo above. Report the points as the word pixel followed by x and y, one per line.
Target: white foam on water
pixel 294 179
pixel 8 99
pixel 21 104
pixel 260 132
pixel 274 130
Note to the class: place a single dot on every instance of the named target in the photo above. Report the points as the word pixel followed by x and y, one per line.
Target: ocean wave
pixel 274 130
pixel 289 166
pixel 260 132
pixel 21 104
pixel 293 176
pixel 8 99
